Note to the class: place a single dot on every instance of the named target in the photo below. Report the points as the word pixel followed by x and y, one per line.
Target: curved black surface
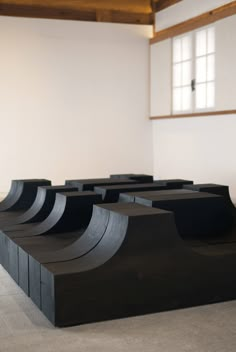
pixel 71 211
pixel 46 251
pixel 22 194
pixel 39 210
pixel 141 265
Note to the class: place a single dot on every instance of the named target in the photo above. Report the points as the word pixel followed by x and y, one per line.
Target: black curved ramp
pixel 39 210
pixel 140 266
pixel 45 251
pixel 22 194
pixel 110 194
pixel 71 211
pixel 88 240
pixel 89 184
pixel 112 262
pixel 143 178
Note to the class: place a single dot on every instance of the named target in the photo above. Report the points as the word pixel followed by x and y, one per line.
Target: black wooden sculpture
pixel 159 245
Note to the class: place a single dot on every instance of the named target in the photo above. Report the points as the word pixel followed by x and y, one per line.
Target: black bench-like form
pixel 160 247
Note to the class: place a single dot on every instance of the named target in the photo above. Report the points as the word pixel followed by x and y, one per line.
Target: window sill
pixel 196 114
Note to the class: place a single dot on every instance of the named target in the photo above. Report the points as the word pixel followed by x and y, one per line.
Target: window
pixel 193 71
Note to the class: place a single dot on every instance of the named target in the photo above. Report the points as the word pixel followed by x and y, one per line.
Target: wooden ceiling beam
pixel 196 22
pixel 66 13
pixel 163 4
pixel 135 6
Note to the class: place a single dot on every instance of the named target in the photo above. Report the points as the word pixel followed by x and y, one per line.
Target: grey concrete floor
pixel 202 329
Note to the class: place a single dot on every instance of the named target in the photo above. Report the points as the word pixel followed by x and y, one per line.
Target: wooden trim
pixel 197 114
pixel 196 22
pixel 66 13
pixel 161 5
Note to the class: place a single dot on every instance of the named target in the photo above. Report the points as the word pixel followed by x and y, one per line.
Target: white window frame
pixel 193 35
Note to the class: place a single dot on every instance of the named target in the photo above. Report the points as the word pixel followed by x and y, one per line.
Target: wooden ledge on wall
pixel 196 114
pixel 196 22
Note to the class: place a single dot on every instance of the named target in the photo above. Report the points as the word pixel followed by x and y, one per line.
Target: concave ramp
pixel 22 194
pixel 57 248
pixel 39 210
pixel 109 238
pixel 71 211
pixel 141 265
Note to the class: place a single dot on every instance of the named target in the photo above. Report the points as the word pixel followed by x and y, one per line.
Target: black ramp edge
pixel 22 194
pixel 89 184
pixel 41 207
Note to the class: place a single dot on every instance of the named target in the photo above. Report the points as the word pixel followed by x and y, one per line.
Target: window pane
pixel 177 99
pixel 177 50
pixel 186 73
pixel 186 98
pixel 210 95
pixel 177 75
pixel 186 48
pixel 211 40
pixel 201 43
pixel 201 70
pixel 211 68
pixel 201 96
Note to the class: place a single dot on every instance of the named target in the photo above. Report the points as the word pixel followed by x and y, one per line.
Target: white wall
pixel 199 148
pixel 74 99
